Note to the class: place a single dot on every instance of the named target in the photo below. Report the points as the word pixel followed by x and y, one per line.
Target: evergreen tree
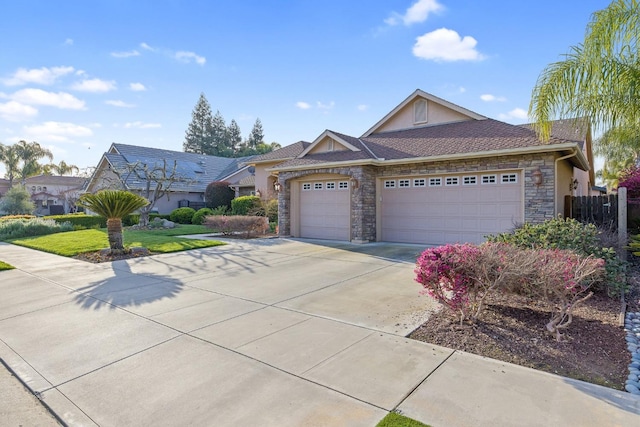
pixel 235 137
pixel 257 136
pixel 220 145
pixel 198 137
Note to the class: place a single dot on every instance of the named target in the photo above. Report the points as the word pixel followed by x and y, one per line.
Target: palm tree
pixel 61 168
pixel 599 79
pixel 30 153
pixel 113 205
pixel 9 156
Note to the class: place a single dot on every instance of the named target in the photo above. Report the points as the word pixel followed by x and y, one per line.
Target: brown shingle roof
pixel 286 152
pixel 567 129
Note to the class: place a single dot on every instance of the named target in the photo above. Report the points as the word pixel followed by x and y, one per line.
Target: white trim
pixel 469 178
pixel 389 183
pixel 490 178
pixel 435 181
pixel 405 181
pixel 422 184
pixel 323 135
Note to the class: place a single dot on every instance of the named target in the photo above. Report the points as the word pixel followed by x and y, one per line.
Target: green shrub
pixel 11 217
pixel 81 220
pixel 17 201
pixel 217 194
pixel 271 209
pixel 131 219
pixel 198 217
pixel 31 227
pixel 247 205
pixel 182 215
pixel 583 239
pixel 220 210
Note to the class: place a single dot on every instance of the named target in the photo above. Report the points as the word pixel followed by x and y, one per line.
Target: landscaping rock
pixel 168 224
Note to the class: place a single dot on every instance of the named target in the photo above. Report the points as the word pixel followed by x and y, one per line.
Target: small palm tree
pixel 113 205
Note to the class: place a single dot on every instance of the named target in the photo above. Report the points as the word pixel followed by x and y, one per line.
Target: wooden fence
pixel 599 210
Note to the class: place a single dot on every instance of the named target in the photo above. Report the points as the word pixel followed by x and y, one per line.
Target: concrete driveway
pixel 272 332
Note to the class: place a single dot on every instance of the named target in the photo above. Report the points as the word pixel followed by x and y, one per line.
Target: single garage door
pixel 325 210
pixel 436 210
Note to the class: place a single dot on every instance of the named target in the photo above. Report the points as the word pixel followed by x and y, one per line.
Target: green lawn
pixel 5 266
pixel 72 243
pixel 396 420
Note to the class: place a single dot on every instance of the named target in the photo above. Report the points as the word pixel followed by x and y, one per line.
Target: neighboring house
pixel 195 172
pixel 429 172
pixel 54 194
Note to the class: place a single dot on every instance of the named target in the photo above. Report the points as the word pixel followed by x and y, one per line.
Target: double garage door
pixel 325 209
pixel 450 208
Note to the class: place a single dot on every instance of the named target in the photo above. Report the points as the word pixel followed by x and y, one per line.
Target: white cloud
pixel 516 113
pixel 303 105
pixel 187 57
pixel 328 106
pixel 462 89
pixel 363 107
pixel 487 97
pixel 16 112
pixel 126 54
pixel 62 100
pixel 147 47
pixel 418 12
pixel 118 103
pixel 141 125
pixel 446 45
pixel 57 132
pixel 137 87
pixel 68 42
pixel 43 76
pixel 94 85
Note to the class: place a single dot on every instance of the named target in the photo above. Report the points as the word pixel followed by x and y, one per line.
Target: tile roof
pixel 286 152
pixel 567 129
pixel 196 170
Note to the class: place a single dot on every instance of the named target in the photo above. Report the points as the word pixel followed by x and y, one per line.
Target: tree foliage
pixel 21 160
pixel 17 201
pixel 198 135
pixel 62 168
pixel 218 194
pixel 598 79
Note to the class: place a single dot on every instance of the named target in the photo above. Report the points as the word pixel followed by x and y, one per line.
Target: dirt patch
pixel 512 330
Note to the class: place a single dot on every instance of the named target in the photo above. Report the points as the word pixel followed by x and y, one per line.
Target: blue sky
pixel 76 76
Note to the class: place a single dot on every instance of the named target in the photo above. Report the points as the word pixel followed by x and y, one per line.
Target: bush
pixel 217 194
pixel 11 217
pixel 131 219
pixel 80 220
pixel 17 201
pixel 232 224
pixel 220 210
pixel 247 205
pixel 31 227
pixel 461 276
pixel 583 239
pixel 271 209
pixel 182 215
pixel 198 217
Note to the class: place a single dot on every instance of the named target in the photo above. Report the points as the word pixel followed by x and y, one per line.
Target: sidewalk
pixel 272 333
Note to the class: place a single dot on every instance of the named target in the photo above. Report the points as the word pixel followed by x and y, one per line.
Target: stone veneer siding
pixel 539 202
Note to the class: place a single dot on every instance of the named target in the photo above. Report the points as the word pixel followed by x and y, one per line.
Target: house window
pixel 452 180
pixel 331 186
pixel 390 184
pixel 33 188
pixel 306 186
pixel 39 188
pixel 403 183
pixel 419 182
pixel 469 180
pixel 420 111
pixel 317 186
pixel 507 178
pixel 488 179
pixel 435 182
pixel 343 185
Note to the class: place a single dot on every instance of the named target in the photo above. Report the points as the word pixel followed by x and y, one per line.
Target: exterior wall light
pixel 277 186
pixel 536 176
pixel 354 183
pixel 258 193
pixel 573 185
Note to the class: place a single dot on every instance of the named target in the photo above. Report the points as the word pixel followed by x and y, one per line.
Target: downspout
pixel 555 193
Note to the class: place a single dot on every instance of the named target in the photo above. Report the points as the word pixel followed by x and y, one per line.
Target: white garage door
pixel 325 210
pixel 436 210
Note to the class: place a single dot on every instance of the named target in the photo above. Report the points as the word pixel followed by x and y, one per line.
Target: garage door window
pixel 469 180
pixel 488 179
pixel 419 182
pixel 306 186
pixel 507 178
pixel 403 183
pixel 343 185
pixel 452 180
pixel 317 186
pixel 435 182
pixel 331 185
pixel 390 184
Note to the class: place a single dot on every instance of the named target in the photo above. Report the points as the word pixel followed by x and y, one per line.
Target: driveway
pixel 272 332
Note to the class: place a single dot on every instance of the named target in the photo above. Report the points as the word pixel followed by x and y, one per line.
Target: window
pixel 44 188
pixel 330 145
pixel 343 185
pixel 33 188
pixel 317 186
pixel 435 182
pixel 420 111
pixel 330 185
pixel 419 182
pixel 488 179
pixel 469 180
pixel 390 184
pixel 403 183
pixel 507 178
pixel 39 188
pixel 452 180
pixel 306 186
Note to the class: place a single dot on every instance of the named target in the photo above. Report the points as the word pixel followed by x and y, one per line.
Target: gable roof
pixel 72 181
pixel 567 129
pixel 195 170
pixel 333 135
pixel 287 152
pixel 422 94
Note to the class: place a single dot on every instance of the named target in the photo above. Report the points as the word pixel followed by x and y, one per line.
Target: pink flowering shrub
pixel 630 178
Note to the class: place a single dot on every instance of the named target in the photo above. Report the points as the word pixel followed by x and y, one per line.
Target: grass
pixel 5 266
pixel 72 243
pixel 394 419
